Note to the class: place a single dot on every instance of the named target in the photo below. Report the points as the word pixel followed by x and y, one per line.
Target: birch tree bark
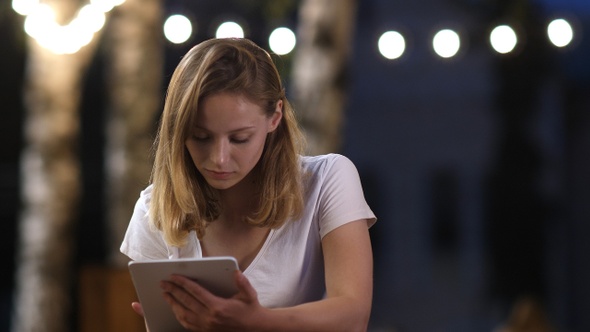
pixel 135 57
pixel 50 183
pixel 320 70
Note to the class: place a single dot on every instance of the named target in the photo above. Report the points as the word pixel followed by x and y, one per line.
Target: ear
pixel 276 117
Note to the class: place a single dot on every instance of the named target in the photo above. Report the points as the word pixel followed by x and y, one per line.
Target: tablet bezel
pixel 214 273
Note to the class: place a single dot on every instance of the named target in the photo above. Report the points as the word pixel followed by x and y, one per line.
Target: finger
pixel 246 291
pixel 136 306
pixel 180 296
pixel 188 319
pixel 194 290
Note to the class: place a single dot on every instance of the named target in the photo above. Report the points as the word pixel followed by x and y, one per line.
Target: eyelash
pixel 239 141
pixel 233 140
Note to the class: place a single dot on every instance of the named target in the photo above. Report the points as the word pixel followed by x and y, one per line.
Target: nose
pixel 220 152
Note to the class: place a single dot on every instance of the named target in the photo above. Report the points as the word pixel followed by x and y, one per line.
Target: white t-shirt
pixel 289 269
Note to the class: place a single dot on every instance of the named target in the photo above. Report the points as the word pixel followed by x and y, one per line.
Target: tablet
pixel 214 273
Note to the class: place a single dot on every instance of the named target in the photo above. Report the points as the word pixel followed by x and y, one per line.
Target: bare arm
pixel 349 284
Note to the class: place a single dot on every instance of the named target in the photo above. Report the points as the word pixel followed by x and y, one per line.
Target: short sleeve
pixel 141 242
pixel 342 198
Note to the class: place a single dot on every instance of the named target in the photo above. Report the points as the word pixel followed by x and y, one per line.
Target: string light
pixel 41 25
pixel 446 43
pixel 560 32
pixel 178 29
pixel 24 7
pixel 282 41
pixel 229 30
pixel 503 39
pixel 392 45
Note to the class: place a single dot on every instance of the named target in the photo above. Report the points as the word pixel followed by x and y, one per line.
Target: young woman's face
pixel 228 138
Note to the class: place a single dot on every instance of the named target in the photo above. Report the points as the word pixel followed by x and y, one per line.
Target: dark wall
pixel 474 167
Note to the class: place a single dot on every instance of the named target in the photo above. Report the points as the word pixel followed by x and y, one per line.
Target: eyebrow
pixel 233 131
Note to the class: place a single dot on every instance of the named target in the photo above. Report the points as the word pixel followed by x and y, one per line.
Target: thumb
pixel 136 306
pixel 246 291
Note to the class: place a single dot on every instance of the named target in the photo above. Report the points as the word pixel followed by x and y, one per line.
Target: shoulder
pixel 146 194
pixel 142 206
pixel 334 191
pixel 142 241
pixel 329 175
pixel 328 165
pixel 325 162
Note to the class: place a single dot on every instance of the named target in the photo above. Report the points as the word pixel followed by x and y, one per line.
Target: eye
pixel 200 137
pixel 239 140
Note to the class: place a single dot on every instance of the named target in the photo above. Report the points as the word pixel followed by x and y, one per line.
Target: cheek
pixel 259 146
pixel 251 155
pixel 192 151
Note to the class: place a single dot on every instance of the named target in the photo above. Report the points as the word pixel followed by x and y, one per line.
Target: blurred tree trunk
pixel 135 64
pixel 325 35
pixel 50 183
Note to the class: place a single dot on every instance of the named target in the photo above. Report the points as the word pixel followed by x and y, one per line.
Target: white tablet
pixel 214 273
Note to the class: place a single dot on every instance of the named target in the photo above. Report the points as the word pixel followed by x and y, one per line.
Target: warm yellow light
pixel 106 5
pixel 24 7
pixel 40 21
pixel 90 18
pixel 40 24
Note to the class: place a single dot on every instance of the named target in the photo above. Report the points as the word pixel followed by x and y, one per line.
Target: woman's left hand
pixel 197 309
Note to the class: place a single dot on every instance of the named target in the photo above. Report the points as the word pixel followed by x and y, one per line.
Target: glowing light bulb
pixel 392 45
pixel 446 43
pixel 503 39
pixel 282 41
pixel 229 30
pixel 24 7
pixel 178 29
pixel 560 32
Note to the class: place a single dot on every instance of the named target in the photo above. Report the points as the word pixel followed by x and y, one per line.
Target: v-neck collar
pixel 258 256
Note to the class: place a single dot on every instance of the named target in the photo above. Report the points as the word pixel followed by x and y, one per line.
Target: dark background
pixel 477 167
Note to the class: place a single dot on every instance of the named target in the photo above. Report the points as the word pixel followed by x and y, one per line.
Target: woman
pixel 229 180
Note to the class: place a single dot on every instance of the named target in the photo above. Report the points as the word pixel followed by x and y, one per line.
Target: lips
pixel 219 175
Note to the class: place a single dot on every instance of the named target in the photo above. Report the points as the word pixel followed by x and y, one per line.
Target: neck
pixel 239 201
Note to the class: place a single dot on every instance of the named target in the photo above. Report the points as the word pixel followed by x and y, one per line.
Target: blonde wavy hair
pixel 182 200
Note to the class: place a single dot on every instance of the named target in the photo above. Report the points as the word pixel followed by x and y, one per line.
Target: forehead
pixel 228 110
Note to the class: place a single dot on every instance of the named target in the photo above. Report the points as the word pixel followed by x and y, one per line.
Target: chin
pixel 221 185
